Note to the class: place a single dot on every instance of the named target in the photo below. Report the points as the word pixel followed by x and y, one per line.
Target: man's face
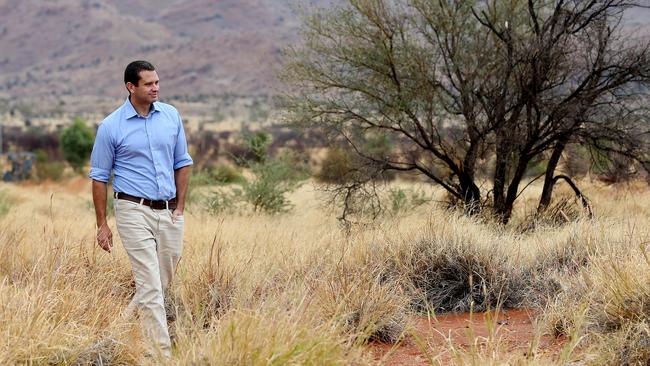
pixel 147 89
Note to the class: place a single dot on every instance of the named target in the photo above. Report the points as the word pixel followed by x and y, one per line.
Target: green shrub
pixel 399 201
pixel 267 191
pixel 77 144
pixel 273 178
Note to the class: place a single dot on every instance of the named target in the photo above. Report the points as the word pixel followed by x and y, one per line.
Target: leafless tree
pixel 453 83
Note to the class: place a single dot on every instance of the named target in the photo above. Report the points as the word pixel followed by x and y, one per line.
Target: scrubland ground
pixel 296 289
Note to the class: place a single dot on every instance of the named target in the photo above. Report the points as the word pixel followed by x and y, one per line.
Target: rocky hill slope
pixel 72 48
pixel 80 47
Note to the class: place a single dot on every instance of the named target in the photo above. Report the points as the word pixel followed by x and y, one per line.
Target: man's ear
pixel 130 87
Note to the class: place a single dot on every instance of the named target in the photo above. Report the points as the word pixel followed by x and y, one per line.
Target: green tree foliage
pixel 77 144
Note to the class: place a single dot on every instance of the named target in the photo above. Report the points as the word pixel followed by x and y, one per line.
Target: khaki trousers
pixel 154 245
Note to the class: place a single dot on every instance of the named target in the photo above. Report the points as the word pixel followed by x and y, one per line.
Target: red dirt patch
pixel 513 328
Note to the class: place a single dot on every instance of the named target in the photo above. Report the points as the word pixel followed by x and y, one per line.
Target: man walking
pixel 143 144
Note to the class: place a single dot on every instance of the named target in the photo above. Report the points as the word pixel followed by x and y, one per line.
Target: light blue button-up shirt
pixel 143 152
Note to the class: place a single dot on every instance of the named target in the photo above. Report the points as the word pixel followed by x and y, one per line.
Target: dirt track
pixel 513 328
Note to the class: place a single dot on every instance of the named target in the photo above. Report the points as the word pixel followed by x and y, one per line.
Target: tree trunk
pixel 513 189
pixel 500 171
pixel 471 194
pixel 549 181
pixel 468 188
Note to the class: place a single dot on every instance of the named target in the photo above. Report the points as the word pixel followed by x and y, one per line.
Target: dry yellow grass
pixel 296 289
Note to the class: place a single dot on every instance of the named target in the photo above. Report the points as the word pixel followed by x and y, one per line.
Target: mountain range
pixel 73 48
pixel 201 47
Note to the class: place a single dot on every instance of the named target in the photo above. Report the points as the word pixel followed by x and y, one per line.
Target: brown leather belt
pixel 157 205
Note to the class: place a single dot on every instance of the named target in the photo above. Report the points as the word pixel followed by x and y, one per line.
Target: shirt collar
pixel 130 110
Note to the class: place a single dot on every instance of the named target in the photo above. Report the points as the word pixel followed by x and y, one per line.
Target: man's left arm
pixel 182 163
pixel 181 178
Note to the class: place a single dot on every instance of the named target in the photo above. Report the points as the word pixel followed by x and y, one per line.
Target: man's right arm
pixel 104 234
pixel 101 164
pixel 99 199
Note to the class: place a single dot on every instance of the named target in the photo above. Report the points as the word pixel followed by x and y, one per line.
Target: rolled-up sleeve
pixel 181 155
pixel 101 159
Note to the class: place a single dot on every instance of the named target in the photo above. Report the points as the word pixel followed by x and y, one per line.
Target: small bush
pixel 77 144
pixel 200 178
pixel 267 191
pixel 273 180
pixel 258 144
pixel 341 166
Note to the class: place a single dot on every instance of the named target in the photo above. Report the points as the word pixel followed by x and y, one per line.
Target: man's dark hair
pixel 132 71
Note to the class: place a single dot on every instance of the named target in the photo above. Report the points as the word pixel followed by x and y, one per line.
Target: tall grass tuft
pixel 367 307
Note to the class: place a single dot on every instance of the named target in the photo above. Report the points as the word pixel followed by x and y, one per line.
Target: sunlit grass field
pixel 298 289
